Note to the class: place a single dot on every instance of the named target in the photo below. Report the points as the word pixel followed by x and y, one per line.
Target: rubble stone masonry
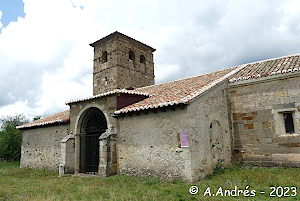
pixel 41 147
pixel 119 71
pixel 148 142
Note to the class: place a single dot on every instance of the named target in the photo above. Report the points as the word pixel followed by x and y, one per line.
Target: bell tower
pixel 121 62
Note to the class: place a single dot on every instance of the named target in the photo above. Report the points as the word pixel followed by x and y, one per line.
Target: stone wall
pixel 148 143
pixel 212 143
pixel 41 147
pixel 67 162
pixel 257 118
pixel 119 71
pixel 107 105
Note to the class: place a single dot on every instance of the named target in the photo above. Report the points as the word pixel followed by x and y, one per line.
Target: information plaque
pixel 184 139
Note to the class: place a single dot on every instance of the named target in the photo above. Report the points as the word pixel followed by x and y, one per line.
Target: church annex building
pixel 181 129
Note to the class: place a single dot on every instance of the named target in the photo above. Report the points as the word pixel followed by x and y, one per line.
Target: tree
pixel 13 121
pixel 10 143
pixel 10 137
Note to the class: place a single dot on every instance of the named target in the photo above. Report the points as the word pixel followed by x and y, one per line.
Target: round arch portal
pixel 94 122
pixel 93 125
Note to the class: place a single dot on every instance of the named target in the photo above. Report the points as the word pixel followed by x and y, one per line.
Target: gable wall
pixel 41 147
pixel 148 143
pixel 258 125
pixel 211 142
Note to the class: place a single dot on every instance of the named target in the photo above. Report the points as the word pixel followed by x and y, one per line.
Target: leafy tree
pixel 10 143
pixel 13 121
pixel 10 137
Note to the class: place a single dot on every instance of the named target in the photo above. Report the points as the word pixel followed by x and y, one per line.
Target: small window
pixel 142 59
pixel 131 55
pixel 104 57
pixel 289 122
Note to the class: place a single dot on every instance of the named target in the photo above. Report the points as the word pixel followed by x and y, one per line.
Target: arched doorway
pixel 93 125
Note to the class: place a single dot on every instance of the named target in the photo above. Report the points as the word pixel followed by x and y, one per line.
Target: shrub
pixel 10 143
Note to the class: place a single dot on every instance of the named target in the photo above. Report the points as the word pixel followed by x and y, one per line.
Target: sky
pixel 46 60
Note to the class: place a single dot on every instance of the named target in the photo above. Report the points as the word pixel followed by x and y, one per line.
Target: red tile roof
pixel 184 90
pixel 269 67
pixel 116 91
pixel 61 117
pixel 179 91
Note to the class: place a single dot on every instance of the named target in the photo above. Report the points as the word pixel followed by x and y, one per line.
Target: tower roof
pixel 116 33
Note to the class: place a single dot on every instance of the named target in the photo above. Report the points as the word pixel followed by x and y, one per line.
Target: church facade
pixel 180 129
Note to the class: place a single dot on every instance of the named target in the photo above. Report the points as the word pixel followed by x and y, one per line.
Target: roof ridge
pixel 41 123
pixel 189 96
pixel 290 55
pixel 108 93
pixel 277 70
pixel 189 77
pixel 215 82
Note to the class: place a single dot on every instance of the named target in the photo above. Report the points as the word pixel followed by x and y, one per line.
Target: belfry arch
pixel 92 125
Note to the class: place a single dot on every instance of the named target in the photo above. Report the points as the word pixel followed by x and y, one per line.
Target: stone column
pixel 107 153
pixel 67 155
pixel 77 152
pixel 103 160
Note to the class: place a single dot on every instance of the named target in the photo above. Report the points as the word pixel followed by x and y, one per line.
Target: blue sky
pixel 11 10
pixel 46 60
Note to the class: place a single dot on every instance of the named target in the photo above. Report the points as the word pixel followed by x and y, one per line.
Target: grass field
pixel 29 184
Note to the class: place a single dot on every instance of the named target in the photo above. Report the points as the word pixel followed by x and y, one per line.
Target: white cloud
pixel 165 71
pixel 20 107
pixel 45 58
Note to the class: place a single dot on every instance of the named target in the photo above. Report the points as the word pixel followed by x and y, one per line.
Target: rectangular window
pixel 289 122
pixel 286 120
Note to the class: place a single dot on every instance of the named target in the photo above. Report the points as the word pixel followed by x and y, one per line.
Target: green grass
pixel 29 184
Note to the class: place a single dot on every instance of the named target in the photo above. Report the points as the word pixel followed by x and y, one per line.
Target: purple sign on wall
pixel 184 139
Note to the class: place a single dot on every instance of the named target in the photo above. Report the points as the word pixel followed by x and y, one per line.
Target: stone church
pixel 248 114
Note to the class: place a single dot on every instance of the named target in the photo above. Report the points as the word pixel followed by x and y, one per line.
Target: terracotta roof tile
pixel 183 90
pixel 61 117
pixel 269 67
pixel 116 91
pixel 179 91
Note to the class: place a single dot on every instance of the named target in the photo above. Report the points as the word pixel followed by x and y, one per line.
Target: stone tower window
pixel 142 59
pixel 104 57
pixel 131 55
